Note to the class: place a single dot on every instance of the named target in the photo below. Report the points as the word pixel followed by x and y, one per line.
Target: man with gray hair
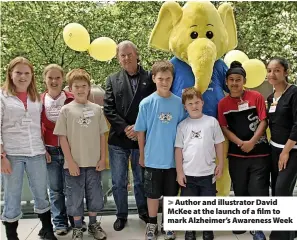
pixel 124 91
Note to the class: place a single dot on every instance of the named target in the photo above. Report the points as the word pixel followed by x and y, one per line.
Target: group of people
pixel 58 138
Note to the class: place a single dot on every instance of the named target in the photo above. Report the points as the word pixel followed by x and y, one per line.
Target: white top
pixel 197 138
pixel 20 130
pixel 53 106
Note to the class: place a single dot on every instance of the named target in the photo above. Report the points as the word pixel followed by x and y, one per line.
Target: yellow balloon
pixel 103 49
pixel 255 73
pixel 76 37
pixel 235 55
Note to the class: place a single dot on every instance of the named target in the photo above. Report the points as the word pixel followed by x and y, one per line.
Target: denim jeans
pixel 199 186
pixel 35 168
pixel 56 183
pixel 119 159
pixel 87 185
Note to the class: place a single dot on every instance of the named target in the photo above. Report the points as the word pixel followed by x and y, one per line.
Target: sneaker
pixel 258 235
pixel 169 235
pixel 62 231
pixel 190 235
pixel 151 231
pixel 96 231
pixel 77 234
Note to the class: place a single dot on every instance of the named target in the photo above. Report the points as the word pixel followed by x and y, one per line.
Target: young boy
pixel 156 125
pixel 81 126
pixel 199 140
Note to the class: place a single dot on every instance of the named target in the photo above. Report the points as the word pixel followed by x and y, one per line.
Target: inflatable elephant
pixel 198 35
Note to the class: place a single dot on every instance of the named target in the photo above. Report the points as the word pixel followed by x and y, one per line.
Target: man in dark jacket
pixel 124 91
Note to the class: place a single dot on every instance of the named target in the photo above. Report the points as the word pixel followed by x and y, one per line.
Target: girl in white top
pixel 22 148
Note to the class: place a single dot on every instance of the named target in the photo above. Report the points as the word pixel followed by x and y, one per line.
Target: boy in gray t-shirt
pixel 81 126
pixel 199 140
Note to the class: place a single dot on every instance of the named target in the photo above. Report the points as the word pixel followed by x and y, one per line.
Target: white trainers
pixel 77 234
pixel 96 231
pixel 151 231
pixel 169 235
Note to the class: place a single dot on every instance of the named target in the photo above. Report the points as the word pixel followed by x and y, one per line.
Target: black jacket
pixel 121 107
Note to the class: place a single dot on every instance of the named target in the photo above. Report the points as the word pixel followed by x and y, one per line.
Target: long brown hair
pixel 9 86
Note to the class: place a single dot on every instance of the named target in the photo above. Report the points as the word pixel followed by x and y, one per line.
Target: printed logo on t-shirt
pixel 165 117
pixel 253 127
pixel 84 121
pixel 196 134
pixel 254 122
pixel 53 111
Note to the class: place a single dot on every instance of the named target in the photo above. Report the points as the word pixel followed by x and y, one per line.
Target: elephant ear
pixel 226 12
pixel 169 15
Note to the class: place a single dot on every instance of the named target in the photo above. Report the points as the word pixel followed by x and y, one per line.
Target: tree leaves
pixel 34 30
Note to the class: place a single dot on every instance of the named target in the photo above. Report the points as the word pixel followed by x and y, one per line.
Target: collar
pixel 136 74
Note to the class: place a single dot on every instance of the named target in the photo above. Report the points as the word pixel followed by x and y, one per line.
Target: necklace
pixel 276 99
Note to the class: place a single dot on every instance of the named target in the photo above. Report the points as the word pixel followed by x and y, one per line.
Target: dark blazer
pixel 121 106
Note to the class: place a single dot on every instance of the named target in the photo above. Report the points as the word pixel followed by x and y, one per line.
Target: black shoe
pixel 144 217
pixel 239 232
pixel 47 235
pixel 119 224
pixel 208 235
pixel 11 230
pixel 46 232
pixel 190 235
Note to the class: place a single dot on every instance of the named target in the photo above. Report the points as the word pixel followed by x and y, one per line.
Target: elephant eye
pixel 209 34
pixel 194 35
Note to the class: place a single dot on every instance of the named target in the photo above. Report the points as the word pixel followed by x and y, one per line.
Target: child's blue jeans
pixel 36 171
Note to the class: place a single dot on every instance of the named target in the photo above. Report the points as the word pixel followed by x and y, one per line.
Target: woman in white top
pixel 22 148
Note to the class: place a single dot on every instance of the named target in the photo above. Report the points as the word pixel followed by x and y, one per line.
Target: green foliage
pixel 34 30
pixel 268 29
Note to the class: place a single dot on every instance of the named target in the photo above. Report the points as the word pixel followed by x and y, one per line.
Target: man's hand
pixel 219 171
pixel 48 157
pixel 141 161
pixel 73 168
pixel 101 165
pixel 181 179
pixel 247 146
pixel 5 166
pixel 130 133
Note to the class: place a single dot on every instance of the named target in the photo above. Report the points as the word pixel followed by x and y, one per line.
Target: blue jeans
pixel 87 185
pixel 119 159
pixel 35 168
pixel 56 183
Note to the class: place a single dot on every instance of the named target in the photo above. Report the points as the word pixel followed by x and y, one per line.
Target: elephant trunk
pixel 202 54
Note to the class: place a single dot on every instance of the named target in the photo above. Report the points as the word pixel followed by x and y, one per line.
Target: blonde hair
pixel 50 67
pixel 9 86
